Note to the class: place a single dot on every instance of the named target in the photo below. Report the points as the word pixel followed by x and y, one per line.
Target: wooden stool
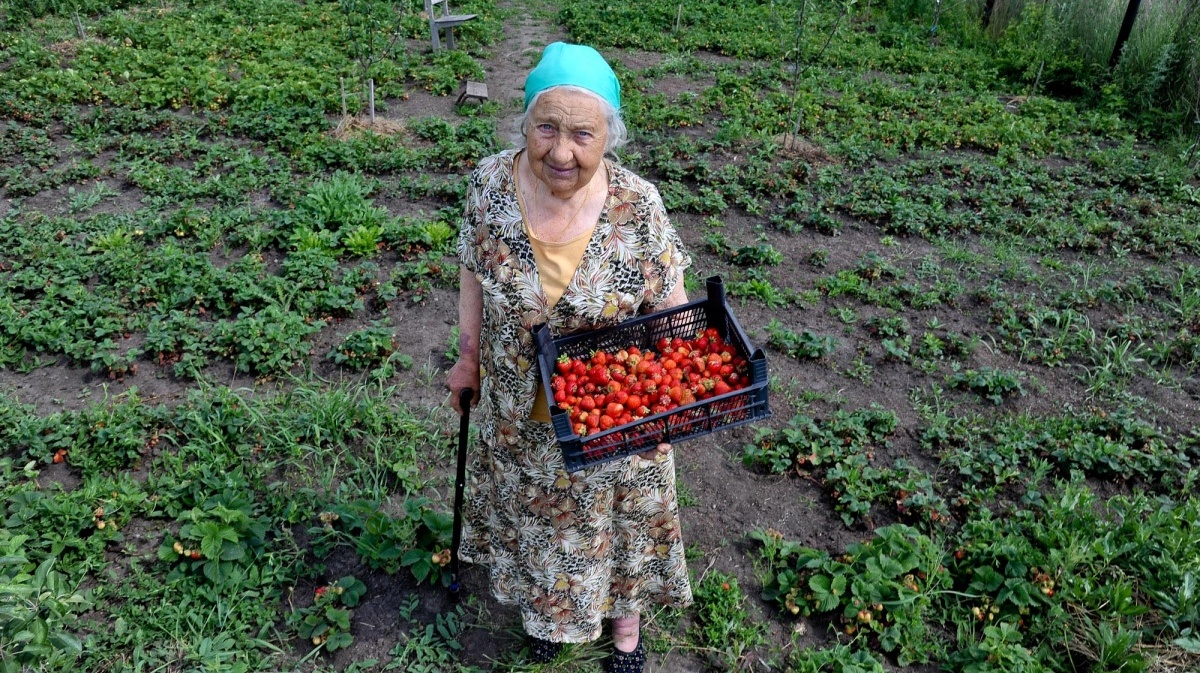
pixel 476 90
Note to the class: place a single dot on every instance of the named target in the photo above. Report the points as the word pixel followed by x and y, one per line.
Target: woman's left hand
pixel 653 454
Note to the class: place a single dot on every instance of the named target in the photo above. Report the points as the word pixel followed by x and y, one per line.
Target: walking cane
pixel 460 482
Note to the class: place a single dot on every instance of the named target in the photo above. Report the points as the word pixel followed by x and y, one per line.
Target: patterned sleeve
pixel 468 251
pixel 665 256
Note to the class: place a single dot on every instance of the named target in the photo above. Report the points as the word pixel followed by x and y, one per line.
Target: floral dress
pixel 568 549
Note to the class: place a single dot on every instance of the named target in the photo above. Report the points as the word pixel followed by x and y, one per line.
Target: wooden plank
pixel 453 20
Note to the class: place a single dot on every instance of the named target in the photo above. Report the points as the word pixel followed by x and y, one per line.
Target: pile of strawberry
pixel 608 390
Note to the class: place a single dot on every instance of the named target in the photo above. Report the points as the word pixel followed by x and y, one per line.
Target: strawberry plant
pixel 430 555
pixel 1001 649
pixel 365 348
pixel 271 341
pixel 326 623
pixel 841 450
pixel 805 345
pixel 885 587
pixel 222 539
pixel 991 384
pixel 418 540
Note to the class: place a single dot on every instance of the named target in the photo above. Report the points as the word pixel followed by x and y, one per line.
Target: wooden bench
pixel 445 20
pixel 476 90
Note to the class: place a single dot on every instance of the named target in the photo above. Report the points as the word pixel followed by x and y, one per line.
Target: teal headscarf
pixel 576 65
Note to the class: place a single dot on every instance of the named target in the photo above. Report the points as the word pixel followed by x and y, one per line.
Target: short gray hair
pixel 617 133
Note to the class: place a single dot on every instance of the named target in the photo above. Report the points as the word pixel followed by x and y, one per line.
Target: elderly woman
pixel 557 232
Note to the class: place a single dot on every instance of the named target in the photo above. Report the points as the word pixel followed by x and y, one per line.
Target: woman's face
pixel 565 137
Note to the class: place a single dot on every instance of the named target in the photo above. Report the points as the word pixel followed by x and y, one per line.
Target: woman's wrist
pixel 468 348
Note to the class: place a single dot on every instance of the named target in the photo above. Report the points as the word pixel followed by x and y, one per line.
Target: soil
pixel 730 499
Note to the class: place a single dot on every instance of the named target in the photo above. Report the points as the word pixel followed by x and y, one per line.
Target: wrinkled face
pixel 565 137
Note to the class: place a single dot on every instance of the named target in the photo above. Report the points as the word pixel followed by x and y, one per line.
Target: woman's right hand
pixel 464 374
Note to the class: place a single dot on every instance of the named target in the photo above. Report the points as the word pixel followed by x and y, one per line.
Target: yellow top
pixel 556 265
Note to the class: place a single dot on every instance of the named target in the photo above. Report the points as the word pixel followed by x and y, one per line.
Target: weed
pixel 434 648
pixel 859 368
pixel 762 254
pixel 835 659
pixel 722 625
pixel 40 608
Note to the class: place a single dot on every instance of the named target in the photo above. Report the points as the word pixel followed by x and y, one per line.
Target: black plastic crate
pixel 685 422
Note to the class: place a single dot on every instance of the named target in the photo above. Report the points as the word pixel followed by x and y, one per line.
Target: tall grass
pixel 1063 47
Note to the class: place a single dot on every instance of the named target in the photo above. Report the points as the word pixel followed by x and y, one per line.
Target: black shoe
pixel 626 662
pixel 543 651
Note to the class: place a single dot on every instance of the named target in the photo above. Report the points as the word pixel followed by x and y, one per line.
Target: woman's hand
pixel 464 374
pixel 653 454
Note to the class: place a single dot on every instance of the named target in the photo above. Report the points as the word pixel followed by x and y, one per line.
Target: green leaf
pixel 1189 643
pixel 339 618
pixel 337 641
pixel 838 586
pixel 68 642
pixel 233 552
pixel 820 584
pixel 39 630
pixel 986 579
pixel 421 571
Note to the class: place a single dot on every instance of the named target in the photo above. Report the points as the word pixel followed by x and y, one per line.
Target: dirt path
pixel 528 30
